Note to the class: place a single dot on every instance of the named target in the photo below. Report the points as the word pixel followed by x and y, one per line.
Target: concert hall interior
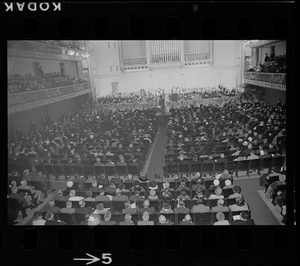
pixel 146 132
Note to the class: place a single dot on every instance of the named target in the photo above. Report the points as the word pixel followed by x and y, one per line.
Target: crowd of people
pixel 271 64
pixel 240 129
pixel 67 44
pixel 28 82
pixel 143 202
pixel 201 93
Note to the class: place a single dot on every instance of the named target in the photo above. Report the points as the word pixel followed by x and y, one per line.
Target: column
pixel 182 53
pixel 211 52
pixel 148 54
pixel 120 54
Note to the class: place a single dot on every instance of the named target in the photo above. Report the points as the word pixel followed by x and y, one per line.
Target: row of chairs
pixel 118 206
pixel 208 218
pixel 108 169
pixel 218 167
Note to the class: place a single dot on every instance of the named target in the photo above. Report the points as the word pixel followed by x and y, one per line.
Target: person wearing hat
pixel 129 209
pixel 127 220
pixel 50 207
pixel 68 208
pixel 146 207
pixel 50 219
pixel 240 205
pixel 162 220
pixel 166 208
pixel 152 195
pixel 180 208
pixel 199 194
pixel 145 220
pixel 221 219
pixel 199 184
pixel 236 192
pixel 200 207
pixel 38 219
pixel 107 221
pixel 187 220
pixel 244 219
pixel 220 206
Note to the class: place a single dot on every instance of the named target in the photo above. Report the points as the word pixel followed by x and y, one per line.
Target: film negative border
pixel 155 245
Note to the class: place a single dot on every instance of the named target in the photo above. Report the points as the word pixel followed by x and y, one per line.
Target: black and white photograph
pixel 146 132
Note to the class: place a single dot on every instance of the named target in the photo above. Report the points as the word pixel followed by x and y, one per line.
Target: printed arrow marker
pixel 92 259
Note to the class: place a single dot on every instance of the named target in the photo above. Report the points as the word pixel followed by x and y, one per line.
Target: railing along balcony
pixel 22 101
pixel 165 58
pixel 135 61
pixel 196 57
pixel 267 80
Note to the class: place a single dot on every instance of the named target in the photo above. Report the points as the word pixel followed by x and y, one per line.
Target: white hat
pixel 245 143
pixel 250 139
pixel 70 184
pixel 216 182
pixel 227 182
pixel 282 178
pixel 240 140
pixel 198 174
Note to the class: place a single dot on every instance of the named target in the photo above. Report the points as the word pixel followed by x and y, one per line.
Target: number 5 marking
pixel 106 256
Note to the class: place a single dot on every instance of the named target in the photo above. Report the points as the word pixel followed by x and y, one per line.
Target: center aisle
pixel 158 155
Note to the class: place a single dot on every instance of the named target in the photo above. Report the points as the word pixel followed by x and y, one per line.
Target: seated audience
pixel 221 219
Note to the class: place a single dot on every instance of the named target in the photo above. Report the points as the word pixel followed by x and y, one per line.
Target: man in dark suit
pixel 82 209
pixel 244 219
pixel 23 203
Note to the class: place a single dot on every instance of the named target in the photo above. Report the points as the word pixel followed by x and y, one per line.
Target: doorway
pixel 114 87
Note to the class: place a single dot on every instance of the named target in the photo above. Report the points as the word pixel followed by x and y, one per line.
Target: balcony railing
pixel 165 58
pixel 196 57
pixel 18 102
pixel 268 80
pixel 32 49
pixel 135 61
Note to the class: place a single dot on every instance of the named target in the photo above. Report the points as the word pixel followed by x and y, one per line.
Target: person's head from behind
pixel 49 216
pixel 162 219
pixel 240 202
pixel 236 189
pixel 220 216
pixel 181 204
pixel 118 191
pixel 146 204
pixel 245 215
pixel 145 216
pixel 200 201
pixel 187 218
pixel 69 204
pixel 107 216
pixel 51 203
pixel 14 190
pixel 128 217
pixel 81 203
pixel 220 202
pixel 218 191
pixel 37 216
pixel 227 182
pixel 72 193
pixel 152 193
pixel 127 204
